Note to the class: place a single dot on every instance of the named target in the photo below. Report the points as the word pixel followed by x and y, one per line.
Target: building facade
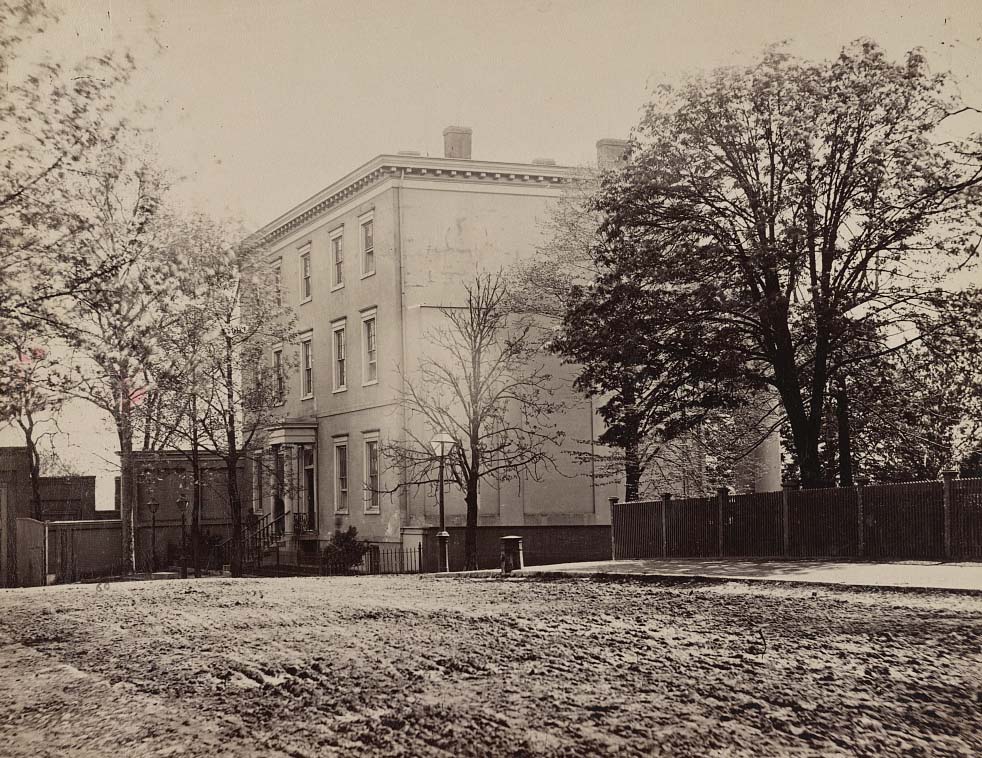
pixel 368 263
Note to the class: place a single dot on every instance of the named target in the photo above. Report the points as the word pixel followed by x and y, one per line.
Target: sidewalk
pixel 961 577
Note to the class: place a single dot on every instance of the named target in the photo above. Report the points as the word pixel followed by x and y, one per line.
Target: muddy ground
pixel 423 666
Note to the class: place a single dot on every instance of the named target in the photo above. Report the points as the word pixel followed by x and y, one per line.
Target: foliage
pixel 56 123
pixel 482 386
pixel 784 224
pixel 345 551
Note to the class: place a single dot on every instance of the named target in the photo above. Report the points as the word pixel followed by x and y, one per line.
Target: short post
pixel 666 498
pixel 512 556
pixel 612 501
pixel 722 493
pixel 786 488
pixel 948 502
pixel 152 506
pixel 444 539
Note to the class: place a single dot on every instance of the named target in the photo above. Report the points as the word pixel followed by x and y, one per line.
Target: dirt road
pixel 422 666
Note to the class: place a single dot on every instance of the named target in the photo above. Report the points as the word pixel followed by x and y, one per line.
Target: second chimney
pixel 457 142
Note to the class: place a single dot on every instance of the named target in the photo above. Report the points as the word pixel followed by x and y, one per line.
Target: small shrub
pixel 344 551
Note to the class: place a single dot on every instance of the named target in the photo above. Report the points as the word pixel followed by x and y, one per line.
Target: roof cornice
pixel 384 167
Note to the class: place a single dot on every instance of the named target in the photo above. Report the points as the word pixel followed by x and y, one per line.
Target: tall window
pixel 307 367
pixel 309 487
pixel 278 384
pixel 341 477
pixel 337 253
pixel 368 247
pixel 372 494
pixel 340 369
pixel 371 348
pixel 278 284
pixel 305 291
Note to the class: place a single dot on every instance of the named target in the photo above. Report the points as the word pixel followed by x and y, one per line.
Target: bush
pixel 344 551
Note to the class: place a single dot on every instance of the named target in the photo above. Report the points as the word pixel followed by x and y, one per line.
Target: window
pixel 278 383
pixel 308 483
pixel 372 494
pixel 337 254
pixel 368 247
pixel 278 284
pixel 306 368
pixel 341 476
pixel 340 373
pixel 305 290
pixel 369 340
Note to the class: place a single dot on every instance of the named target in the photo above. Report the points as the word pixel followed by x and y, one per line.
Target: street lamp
pixel 442 444
pixel 152 506
pixel 182 504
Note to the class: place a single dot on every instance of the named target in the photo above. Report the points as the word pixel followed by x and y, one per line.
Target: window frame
pixel 369 316
pixel 277 268
pixel 341 484
pixel 306 282
pixel 306 365
pixel 308 499
pixel 371 495
pixel 367 220
pixel 337 266
pixel 279 379
pixel 339 362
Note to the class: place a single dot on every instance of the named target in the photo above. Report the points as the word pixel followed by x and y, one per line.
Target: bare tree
pixel 482 386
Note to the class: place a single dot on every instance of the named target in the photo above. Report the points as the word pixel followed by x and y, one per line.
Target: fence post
pixel 786 489
pixel 613 540
pixel 665 498
pixel 861 519
pixel 721 495
pixel 948 490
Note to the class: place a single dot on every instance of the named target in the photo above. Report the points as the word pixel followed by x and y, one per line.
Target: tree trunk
pixel 844 439
pixel 632 471
pixel 35 468
pixel 470 532
pixel 232 461
pixel 127 500
pixel 195 492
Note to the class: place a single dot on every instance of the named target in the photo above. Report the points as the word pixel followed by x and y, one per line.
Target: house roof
pixel 390 166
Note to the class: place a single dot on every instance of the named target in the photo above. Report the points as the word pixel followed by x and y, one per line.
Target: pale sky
pixel 261 104
pixel 265 103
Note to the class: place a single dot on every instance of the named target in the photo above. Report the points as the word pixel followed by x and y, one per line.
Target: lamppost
pixel 152 506
pixel 442 443
pixel 182 504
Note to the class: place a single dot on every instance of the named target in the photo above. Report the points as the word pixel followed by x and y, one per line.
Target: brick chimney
pixel 457 142
pixel 610 153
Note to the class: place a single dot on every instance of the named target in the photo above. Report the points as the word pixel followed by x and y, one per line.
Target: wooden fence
pixel 916 521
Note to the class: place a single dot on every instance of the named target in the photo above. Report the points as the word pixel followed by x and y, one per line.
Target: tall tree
pixel 482 385
pixel 224 394
pixel 115 329
pixel 33 387
pixel 794 219
pixel 56 121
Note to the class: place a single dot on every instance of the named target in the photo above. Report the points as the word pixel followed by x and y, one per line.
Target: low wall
pixel 541 545
pixel 30 553
pixel 84 549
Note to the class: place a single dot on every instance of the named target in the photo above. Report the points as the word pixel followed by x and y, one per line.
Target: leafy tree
pixel 115 329
pixel 56 122
pixel 231 319
pixel 789 222
pixel 33 386
pixel 481 386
